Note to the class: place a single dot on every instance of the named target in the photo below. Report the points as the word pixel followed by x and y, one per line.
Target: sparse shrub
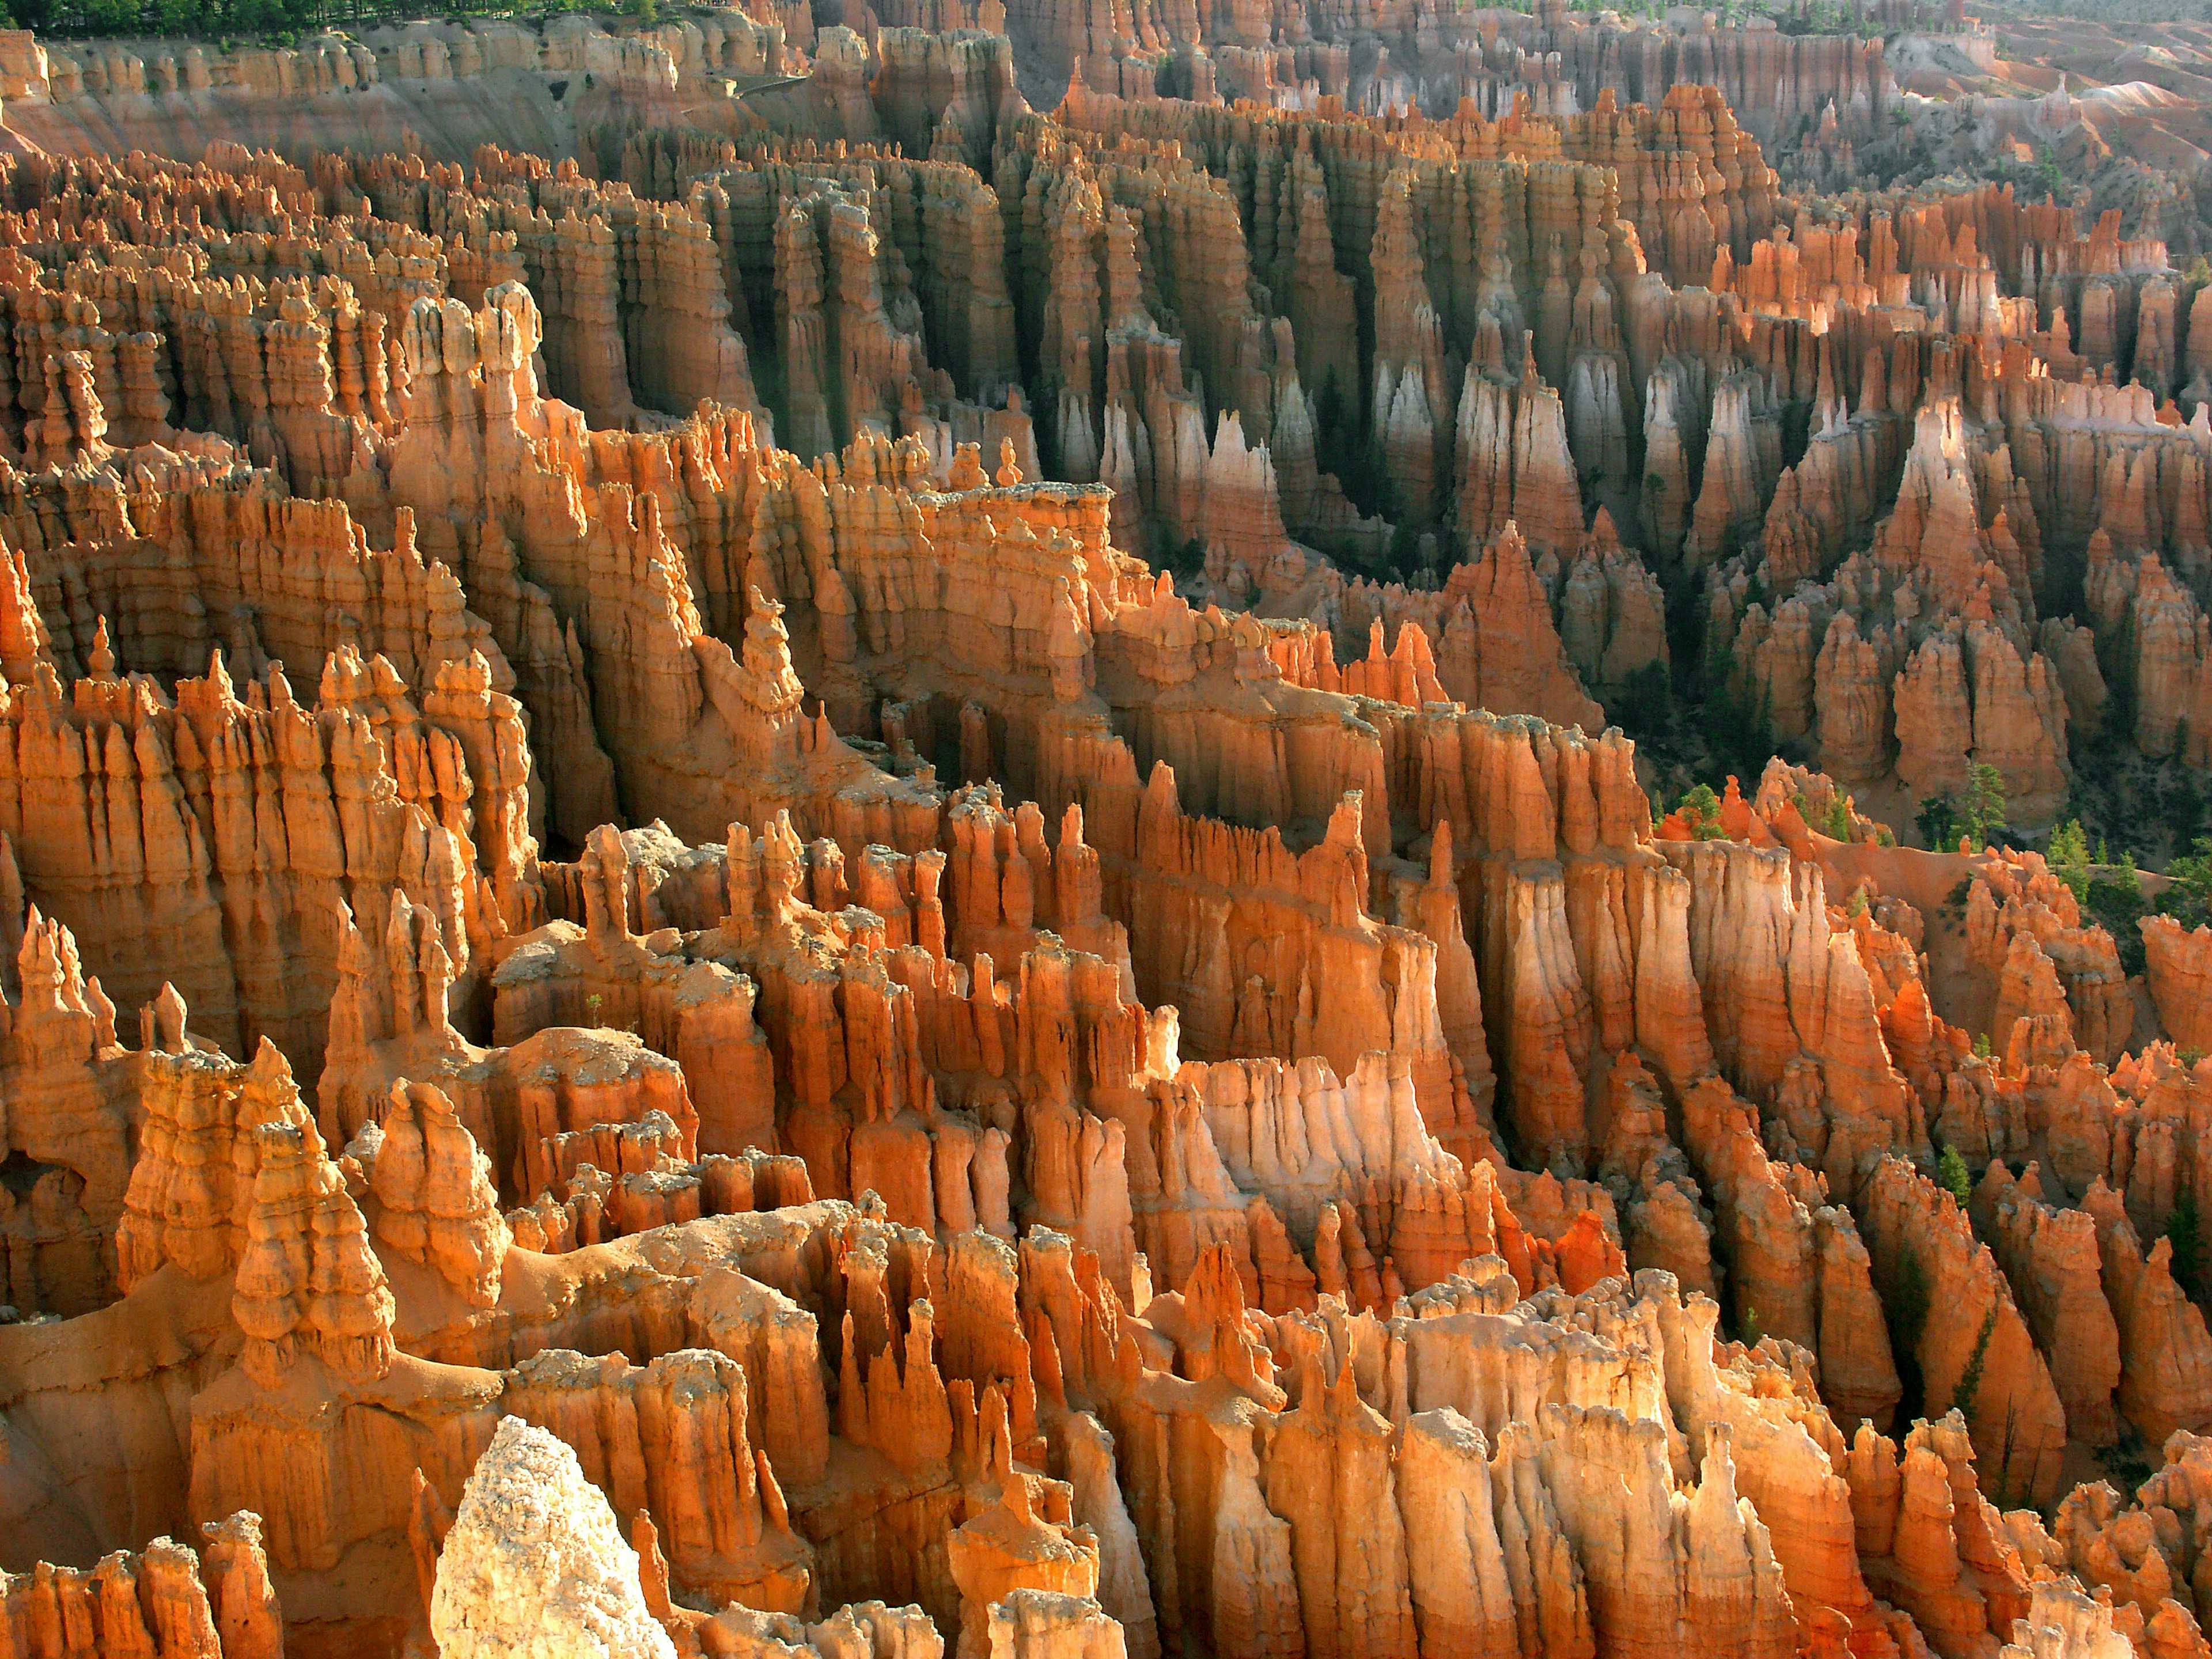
pixel 1970 1380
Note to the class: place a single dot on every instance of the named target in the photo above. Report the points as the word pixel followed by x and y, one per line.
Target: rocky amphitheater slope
pixel 794 862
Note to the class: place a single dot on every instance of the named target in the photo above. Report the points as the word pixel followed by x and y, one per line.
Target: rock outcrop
pixel 534 1561
pixel 963 951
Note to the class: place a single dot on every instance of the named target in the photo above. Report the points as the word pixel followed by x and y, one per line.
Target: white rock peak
pixel 535 1566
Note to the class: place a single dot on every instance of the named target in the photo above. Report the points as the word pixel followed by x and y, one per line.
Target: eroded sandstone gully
pixel 799 864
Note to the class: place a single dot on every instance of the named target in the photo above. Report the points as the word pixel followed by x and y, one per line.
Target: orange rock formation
pixel 956 905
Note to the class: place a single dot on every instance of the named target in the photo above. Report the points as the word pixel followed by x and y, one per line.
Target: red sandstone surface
pixel 817 837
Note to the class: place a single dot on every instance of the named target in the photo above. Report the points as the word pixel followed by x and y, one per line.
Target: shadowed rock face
pixel 877 900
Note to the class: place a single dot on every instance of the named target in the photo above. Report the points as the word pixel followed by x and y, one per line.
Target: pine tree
pixel 1951 1171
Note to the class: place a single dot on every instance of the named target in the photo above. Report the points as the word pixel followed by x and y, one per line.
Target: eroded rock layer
pixel 793 862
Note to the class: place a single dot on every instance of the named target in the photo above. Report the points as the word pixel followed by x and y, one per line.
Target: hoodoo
pixel 1038 830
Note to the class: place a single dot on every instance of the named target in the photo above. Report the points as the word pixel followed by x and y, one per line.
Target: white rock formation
pixel 535 1566
pixel 1032 1624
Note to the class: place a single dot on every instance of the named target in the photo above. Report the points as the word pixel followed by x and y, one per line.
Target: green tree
pixel 1703 809
pixel 2116 900
pixel 1970 1380
pixel 259 17
pixel 2053 176
pixel 2069 857
pixel 189 18
pixel 1937 821
pixel 2188 898
pixel 2181 808
pixel 1957 1180
pixel 1983 808
pixel 1839 826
